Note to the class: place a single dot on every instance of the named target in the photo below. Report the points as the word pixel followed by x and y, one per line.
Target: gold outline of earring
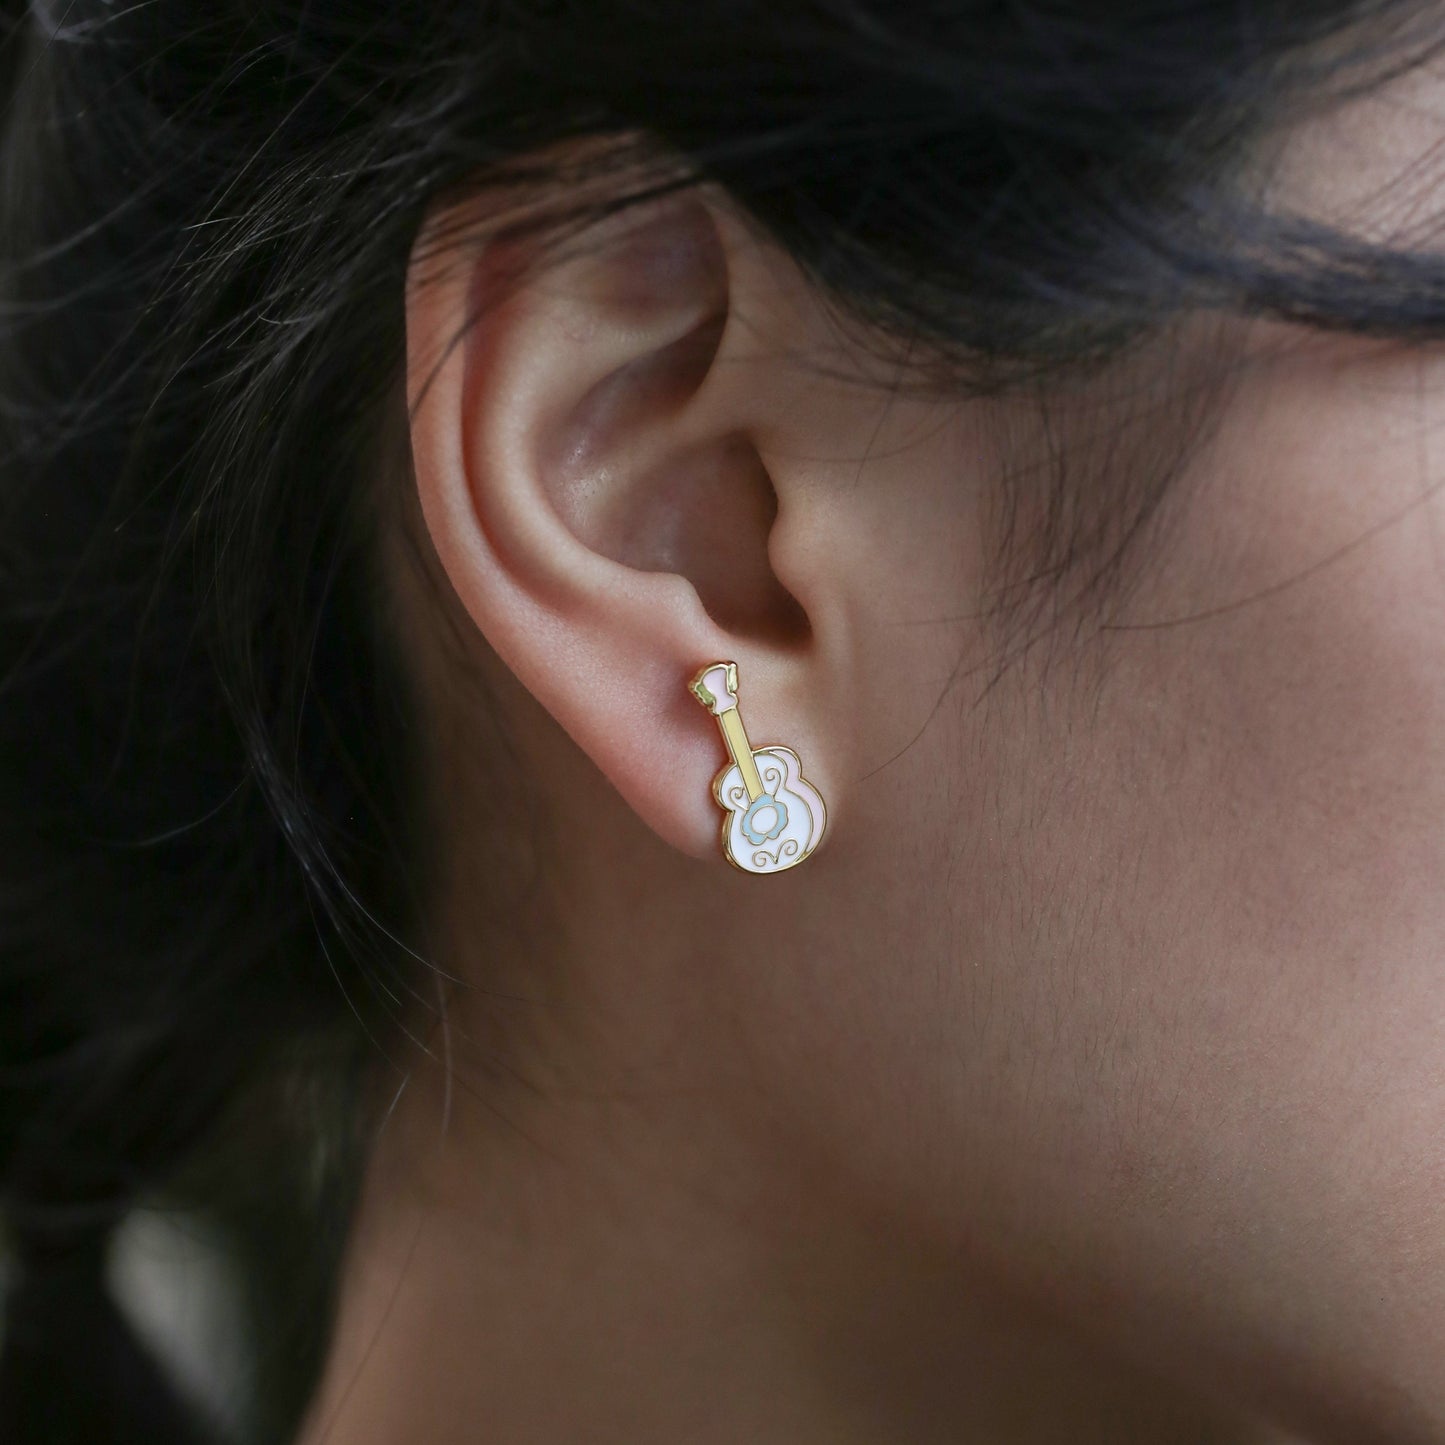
pixel 773 817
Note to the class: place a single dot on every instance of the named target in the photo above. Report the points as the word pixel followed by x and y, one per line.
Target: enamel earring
pixel 775 816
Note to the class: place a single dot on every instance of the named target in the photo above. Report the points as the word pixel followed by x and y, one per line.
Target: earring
pixel 775 817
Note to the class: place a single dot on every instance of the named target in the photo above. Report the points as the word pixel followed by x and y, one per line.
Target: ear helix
pixel 774 817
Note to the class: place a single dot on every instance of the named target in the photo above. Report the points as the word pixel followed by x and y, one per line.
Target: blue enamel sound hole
pixel 765 818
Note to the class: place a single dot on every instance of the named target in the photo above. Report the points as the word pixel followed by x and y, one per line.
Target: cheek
pixel 1311 762
pixel 1253 824
pixel 1131 974
pixel 1272 752
pixel 1243 790
pixel 1204 946
pixel 1139 961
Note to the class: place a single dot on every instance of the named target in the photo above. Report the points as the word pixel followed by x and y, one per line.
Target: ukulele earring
pixel 775 817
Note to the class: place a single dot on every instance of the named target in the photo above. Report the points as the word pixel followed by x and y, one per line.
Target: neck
pixel 609 1275
pixel 646 1252
pixel 593 1212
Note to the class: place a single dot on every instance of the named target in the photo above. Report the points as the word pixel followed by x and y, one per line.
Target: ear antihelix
pixel 774 817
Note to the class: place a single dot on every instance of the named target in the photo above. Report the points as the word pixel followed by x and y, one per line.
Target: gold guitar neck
pixel 723 677
pixel 736 737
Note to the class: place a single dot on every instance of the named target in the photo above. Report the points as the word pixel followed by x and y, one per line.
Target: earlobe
pixel 597 503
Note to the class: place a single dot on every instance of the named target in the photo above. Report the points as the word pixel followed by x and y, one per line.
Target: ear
pixel 589 441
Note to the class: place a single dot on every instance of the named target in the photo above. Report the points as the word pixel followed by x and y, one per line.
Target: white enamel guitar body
pixel 774 815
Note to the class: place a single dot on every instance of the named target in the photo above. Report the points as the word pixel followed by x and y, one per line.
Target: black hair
pixel 210 868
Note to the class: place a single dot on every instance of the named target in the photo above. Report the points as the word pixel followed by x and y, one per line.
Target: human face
pixel 1118 975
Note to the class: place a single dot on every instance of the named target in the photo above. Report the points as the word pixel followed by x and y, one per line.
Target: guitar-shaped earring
pixel 775 817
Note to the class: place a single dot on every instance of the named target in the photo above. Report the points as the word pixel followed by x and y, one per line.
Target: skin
pixel 1087 1084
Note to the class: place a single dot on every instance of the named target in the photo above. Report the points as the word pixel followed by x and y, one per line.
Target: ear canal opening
pixel 708 517
pixel 737 586
pixel 704 512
